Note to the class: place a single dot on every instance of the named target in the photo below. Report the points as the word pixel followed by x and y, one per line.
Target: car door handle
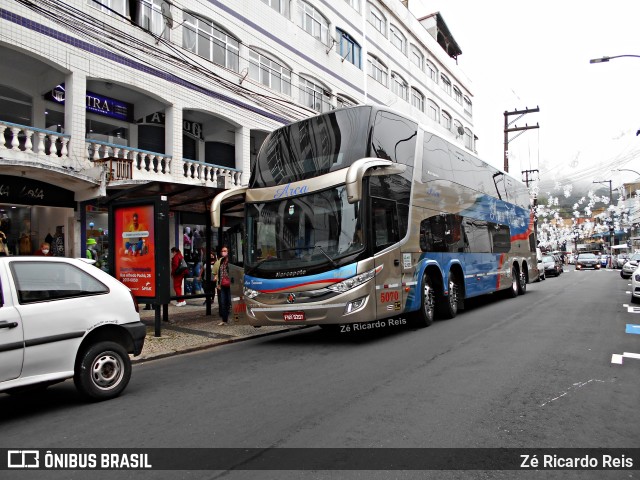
pixel 8 324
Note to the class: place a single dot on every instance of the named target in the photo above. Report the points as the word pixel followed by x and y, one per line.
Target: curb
pixel 208 345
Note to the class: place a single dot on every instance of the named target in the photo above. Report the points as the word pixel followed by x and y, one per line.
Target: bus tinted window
pixel 436 162
pixel 394 138
pixel 312 147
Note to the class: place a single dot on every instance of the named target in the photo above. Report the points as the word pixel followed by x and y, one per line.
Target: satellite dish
pixel 460 131
pixel 165 8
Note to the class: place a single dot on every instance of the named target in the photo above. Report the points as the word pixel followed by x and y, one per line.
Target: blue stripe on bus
pixel 319 280
pixel 498 211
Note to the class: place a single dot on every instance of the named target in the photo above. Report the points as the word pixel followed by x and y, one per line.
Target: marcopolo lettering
pixel 289 191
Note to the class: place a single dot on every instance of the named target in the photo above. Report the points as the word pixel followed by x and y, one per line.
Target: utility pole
pixel 507 130
pixel 535 199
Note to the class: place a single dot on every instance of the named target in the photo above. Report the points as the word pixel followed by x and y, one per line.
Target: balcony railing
pixel 43 143
pixel 126 163
pixel 210 174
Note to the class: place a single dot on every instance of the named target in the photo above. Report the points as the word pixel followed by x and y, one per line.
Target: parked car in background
pixel 604 260
pixel 635 286
pixel 552 265
pixel 559 262
pixel 620 260
pixel 63 318
pixel 571 259
pixel 587 260
pixel 629 267
pixel 541 274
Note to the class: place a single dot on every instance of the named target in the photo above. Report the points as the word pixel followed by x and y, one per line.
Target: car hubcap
pixel 106 371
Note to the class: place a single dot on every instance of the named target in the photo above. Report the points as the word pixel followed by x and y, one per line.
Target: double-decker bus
pixel 362 214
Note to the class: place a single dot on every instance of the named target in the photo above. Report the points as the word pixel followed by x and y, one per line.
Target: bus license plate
pixel 293 316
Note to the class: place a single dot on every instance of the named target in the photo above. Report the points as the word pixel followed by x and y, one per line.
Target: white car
pixel 635 286
pixel 63 318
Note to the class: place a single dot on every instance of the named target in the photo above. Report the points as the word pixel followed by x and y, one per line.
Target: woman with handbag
pixel 179 270
pixel 223 281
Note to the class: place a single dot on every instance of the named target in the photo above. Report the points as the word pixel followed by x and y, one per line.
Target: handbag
pixel 225 281
pixel 182 268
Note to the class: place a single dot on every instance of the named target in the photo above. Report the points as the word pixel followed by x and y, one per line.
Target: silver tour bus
pixel 362 214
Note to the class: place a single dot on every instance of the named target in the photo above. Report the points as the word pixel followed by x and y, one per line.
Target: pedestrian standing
pixel 179 270
pixel 223 281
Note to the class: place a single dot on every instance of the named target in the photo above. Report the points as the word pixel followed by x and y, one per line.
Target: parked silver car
pixel 629 267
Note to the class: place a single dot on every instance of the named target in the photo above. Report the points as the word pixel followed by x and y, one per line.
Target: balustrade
pixel 44 143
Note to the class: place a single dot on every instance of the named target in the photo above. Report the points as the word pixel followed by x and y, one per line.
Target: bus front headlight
pixel 354 282
pixel 250 293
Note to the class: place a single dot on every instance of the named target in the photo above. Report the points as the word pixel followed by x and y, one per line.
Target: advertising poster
pixel 135 249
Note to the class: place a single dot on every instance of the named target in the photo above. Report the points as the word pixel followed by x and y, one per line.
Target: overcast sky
pixel 528 54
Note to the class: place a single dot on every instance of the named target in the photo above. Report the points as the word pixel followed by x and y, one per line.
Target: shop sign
pixel 26 191
pixel 190 128
pixel 99 104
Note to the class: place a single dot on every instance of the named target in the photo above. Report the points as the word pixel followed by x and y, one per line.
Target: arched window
pixel 203 37
pixel 458 129
pixel 446 120
pixel 432 71
pixel 314 95
pixel 433 110
pixel 468 106
pixel 468 139
pixel 343 101
pixel 313 22
pixel 416 57
pixel 281 6
pixel 348 48
pixel 377 70
pixel 269 72
pixel 417 99
pixel 445 83
pixel 457 95
pixel 399 86
pixel 150 17
pixel 377 19
pixel 355 4
pixel 398 39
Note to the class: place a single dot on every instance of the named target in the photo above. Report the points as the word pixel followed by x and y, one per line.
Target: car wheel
pixel 103 371
pixel 448 305
pixel 635 299
pixel 623 275
pixel 424 317
pixel 513 291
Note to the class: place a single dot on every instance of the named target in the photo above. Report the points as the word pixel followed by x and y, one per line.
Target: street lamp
pixel 606 59
pixel 626 170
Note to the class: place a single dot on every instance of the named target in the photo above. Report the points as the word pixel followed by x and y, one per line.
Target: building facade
pixel 103 95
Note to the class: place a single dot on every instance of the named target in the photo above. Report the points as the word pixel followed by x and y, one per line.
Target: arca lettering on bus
pixel 288 191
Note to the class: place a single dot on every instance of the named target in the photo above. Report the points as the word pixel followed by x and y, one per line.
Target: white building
pixel 101 95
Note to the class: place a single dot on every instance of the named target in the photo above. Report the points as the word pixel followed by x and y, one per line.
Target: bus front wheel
pixel 448 305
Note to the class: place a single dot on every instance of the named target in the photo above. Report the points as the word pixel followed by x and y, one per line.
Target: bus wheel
pixel 515 281
pixel 424 316
pixel 448 305
pixel 522 283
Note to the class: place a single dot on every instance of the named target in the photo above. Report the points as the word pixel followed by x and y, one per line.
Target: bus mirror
pixel 216 203
pixel 368 166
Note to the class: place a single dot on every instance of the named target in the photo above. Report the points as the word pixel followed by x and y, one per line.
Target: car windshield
pixel 586 256
pixel 307 231
pixel 635 257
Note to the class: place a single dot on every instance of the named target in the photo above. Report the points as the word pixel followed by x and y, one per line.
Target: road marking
pixel 633 329
pixel 633 309
pixel 575 386
pixel 617 358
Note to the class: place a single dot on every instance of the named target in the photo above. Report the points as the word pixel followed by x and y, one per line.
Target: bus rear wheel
pixel 448 305
pixel 522 283
pixel 512 292
pixel 424 317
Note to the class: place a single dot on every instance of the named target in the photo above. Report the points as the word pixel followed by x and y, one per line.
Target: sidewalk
pixel 191 330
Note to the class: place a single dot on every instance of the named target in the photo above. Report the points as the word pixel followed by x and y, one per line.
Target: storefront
pixel 32 212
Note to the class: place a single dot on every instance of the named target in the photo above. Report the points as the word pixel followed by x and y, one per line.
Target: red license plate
pixel 293 316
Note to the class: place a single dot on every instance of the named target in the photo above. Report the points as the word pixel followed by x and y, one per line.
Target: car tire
pixel 448 305
pixel 635 299
pixel 103 371
pixel 424 317
pixel 624 276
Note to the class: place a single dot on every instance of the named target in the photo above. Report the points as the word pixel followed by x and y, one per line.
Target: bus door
pixel 227 212
pixel 385 233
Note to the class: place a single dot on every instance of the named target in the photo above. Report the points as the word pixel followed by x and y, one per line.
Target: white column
pixel 39 107
pixel 75 116
pixel 173 139
pixel 243 152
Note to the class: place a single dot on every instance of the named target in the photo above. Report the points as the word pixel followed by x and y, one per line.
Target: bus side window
pixel 385 223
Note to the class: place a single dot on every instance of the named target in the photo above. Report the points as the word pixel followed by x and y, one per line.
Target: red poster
pixel 134 249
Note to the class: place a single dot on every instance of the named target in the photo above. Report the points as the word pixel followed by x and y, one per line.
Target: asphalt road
pixel 534 371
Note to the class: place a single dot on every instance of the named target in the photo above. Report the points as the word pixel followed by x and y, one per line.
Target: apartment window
pixel 433 111
pixel 417 99
pixel 432 71
pixel 269 72
pixel 111 7
pixel 416 57
pixel 445 83
pixel 468 139
pixel 343 102
pixel 150 17
pixel 458 129
pixel 355 4
pixel 281 6
pixel 398 39
pixel 399 86
pixel 203 37
pixel 467 106
pixel 446 120
pixel 314 23
pixel 314 95
pixel 377 19
pixel 457 94
pixel 377 70
pixel 348 48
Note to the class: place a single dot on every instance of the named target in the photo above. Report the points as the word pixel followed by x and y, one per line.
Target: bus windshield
pixel 309 232
pixel 312 147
